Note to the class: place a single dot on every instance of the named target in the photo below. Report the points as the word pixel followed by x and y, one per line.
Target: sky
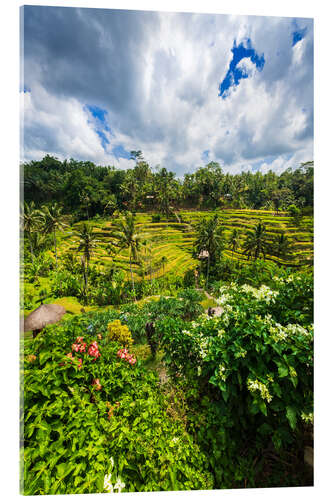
pixel 185 89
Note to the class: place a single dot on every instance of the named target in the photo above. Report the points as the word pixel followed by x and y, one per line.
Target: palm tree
pixel 282 246
pixel 128 237
pixel 87 243
pixel 39 242
pixel 256 242
pixel 234 241
pixel 52 221
pixel 164 260
pixel 209 240
pixel 30 219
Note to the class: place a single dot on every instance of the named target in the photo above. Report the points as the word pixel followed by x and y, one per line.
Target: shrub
pixel 156 217
pixel 253 374
pixel 119 333
pixel 191 307
pixel 96 423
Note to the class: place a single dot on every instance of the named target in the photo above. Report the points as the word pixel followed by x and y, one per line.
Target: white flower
pixel 107 483
pixel 119 484
pixel 255 385
pixel 307 417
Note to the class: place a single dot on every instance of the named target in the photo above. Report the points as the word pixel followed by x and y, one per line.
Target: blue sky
pixel 185 89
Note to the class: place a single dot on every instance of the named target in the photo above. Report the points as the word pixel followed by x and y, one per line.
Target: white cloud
pixel 159 82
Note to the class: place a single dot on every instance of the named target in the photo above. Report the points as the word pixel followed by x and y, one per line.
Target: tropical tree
pixel 127 236
pixel 256 242
pixel 282 246
pixel 87 243
pixel 166 188
pixel 30 220
pixel 234 241
pixel 209 239
pixel 164 260
pixel 52 220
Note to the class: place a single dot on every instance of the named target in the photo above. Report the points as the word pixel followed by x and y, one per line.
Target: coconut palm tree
pixel 127 236
pixel 282 246
pixel 164 260
pixel 256 242
pixel 52 220
pixel 30 220
pixel 234 241
pixel 209 240
pixel 87 243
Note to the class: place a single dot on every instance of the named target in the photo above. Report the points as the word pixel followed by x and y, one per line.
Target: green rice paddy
pixel 169 245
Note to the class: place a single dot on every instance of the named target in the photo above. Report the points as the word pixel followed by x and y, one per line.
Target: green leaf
pixel 283 370
pixel 262 406
pixel 43 356
pixel 291 416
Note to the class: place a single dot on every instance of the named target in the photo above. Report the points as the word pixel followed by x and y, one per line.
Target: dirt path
pixel 217 310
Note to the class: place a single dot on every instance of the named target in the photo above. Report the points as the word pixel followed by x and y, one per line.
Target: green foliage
pixel 77 415
pixel 249 372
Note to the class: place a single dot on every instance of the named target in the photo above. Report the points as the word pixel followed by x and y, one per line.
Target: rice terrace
pixel 166 293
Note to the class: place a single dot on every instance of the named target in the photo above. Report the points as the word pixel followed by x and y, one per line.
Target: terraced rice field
pixel 174 240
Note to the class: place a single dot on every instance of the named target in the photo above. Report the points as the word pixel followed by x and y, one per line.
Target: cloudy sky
pixel 186 89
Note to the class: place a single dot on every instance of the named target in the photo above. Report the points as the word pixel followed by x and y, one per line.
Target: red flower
pixel 76 347
pixel 79 340
pixel 82 347
pixel 80 363
pixel 93 350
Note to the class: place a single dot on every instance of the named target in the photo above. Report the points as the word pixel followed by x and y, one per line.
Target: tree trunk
pixel 132 277
pixel 208 261
pixel 55 248
pixel 31 250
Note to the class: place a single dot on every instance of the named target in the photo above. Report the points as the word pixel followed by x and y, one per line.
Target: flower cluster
pixel 108 486
pixel 263 293
pixel 93 350
pixel 124 354
pixel 79 345
pixel 255 385
pixel 307 417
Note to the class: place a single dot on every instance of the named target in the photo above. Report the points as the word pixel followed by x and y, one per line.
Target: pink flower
pixel 82 347
pixel 132 361
pixel 75 347
pixel 69 355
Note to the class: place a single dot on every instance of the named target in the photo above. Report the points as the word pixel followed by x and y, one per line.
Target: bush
pixel 250 376
pixel 65 284
pixel 191 307
pixel 95 423
pixel 156 217
pixel 119 333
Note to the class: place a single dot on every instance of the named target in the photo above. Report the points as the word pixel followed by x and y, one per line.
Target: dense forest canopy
pixel 101 190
